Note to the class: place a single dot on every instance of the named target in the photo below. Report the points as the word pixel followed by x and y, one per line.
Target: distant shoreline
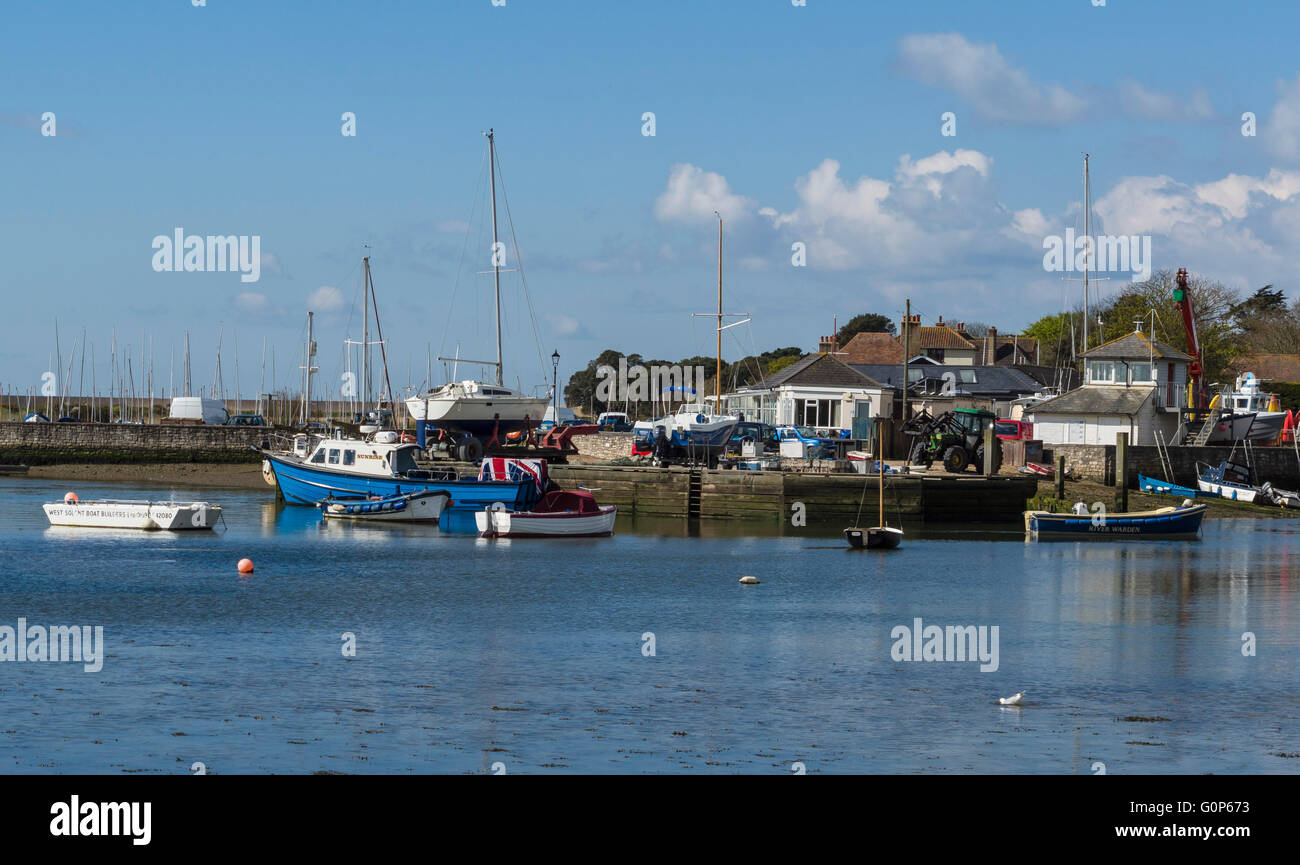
pixel 246 476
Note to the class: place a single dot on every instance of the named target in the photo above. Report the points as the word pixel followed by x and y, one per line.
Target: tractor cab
pixel 956 437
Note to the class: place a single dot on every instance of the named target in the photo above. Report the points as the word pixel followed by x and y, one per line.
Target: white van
pixel 199 408
pixel 567 416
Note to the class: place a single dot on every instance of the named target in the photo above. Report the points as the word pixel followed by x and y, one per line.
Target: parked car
pixel 246 420
pixel 815 444
pixel 614 421
pixel 567 417
pixel 761 433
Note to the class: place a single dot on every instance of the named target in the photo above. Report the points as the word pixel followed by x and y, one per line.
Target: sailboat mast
pixel 496 246
pixel 1087 233
pixel 365 334
pixel 717 376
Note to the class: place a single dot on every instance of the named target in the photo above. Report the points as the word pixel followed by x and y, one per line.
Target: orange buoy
pixel 70 498
pixel 245 566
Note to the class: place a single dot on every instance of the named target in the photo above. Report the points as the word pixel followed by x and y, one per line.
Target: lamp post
pixel 555 384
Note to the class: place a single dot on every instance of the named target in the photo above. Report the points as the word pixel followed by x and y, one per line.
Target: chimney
pixel 960 327
pixel 939 323
pixel 828 345
pixel 991 344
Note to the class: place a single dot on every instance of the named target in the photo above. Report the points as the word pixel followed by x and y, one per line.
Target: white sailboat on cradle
pixel 477 413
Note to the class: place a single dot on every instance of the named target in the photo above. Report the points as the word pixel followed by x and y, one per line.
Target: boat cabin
pixel 369 457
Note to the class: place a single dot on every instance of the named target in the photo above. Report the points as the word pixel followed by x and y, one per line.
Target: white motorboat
pixel 560 514
pixel 123 514
pixel 1228 480
pixel 1248 412
pixel 690 433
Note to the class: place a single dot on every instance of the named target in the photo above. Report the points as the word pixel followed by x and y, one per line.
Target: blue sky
pixel 818 124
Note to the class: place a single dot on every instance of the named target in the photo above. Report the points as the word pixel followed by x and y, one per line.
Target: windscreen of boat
pixel 404 460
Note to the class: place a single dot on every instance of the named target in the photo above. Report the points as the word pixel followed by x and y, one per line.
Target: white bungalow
pixel 818 391
pixel 1132 384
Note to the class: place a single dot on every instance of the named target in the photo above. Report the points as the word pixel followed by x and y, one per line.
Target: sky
pixel 816 131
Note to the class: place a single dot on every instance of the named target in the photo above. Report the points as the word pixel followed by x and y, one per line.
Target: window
pixel 319 456
pixel 349 458
pixel 334 456
pixel 1101 372
pixel 1142 373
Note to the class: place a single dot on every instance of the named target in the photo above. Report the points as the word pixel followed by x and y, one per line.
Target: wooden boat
pixel 123 514
pixel 423 506
pixel 1228 480
pixel 880 537
pixel 1180 523
pixel 1164 488
pixel 560 514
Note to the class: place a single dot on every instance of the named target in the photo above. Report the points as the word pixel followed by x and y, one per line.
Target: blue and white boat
pixel 1164 488
pixel 382 465
pixel 1164 524
pixel 689 434
pixel 1228 480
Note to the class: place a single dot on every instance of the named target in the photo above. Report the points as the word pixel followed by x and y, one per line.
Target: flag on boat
pixel 512 469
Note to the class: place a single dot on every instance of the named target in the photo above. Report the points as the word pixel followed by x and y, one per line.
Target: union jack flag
pixel 512 469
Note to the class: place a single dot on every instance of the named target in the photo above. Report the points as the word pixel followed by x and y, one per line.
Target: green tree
pixel 867 322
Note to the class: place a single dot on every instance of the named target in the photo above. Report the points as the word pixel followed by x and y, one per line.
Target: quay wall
pixel 37 444
pixel 1278 465
pixel 819 498
pixel 604 446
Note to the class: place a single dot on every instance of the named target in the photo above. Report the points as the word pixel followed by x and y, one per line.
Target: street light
pixel 555 381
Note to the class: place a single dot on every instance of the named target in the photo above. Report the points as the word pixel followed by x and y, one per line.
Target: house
pixel 817 391
pixel 945 343
pixel 941 386
pixel 1132 384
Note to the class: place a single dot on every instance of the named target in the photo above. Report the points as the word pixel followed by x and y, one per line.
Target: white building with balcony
pixel 1133 384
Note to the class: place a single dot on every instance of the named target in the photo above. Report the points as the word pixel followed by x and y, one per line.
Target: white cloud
pixel 1150 104
pixel 251 301
pixel 693 194
pixel 1281 132
pixel 327 298
pixel 982 76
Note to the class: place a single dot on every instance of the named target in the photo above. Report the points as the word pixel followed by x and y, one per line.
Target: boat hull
pixel 1182 523
pixel 308 485
pixel 479 417
pixel 507 524
pixel 875 538
pixel 1232 492
pixel 133 515
pixel 1164 488
pixel 422 507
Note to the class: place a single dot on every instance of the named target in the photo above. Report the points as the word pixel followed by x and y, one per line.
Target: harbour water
pixel 640 653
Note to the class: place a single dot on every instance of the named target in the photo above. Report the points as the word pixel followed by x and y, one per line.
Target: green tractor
pixel 956 437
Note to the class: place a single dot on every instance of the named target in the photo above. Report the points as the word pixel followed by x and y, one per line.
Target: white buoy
pixel 749 581
pixel 1013 700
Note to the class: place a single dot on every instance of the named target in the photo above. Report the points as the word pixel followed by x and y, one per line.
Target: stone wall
pixel 51 443
pixel 604 446
pixel 1278 465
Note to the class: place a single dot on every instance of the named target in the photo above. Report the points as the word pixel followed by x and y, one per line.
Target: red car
pixel 1013 430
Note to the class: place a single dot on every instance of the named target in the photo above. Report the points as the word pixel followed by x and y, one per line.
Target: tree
pixel 867 322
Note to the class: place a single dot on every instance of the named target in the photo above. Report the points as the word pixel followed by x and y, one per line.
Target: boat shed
pixel 1132 384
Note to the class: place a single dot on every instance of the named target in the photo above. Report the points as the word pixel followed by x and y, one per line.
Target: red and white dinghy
pixel 560 514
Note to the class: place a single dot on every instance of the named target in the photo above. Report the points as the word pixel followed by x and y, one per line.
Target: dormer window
pixel 1101 372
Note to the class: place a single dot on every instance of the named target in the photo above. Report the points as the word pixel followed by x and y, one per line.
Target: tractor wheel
pixel 473 450
pixel 919 456
pixel 955 459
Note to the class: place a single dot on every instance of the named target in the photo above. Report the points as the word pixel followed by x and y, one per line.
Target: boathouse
pixel 817 391
pixel 1132 384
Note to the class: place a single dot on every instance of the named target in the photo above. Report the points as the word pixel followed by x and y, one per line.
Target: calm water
pixel 530 654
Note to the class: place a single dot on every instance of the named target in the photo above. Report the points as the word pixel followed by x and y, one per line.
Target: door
pixel 863 425
pixel 1075 432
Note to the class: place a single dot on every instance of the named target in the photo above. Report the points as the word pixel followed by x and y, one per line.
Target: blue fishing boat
pixel 1164 524
pixel 1164 488
pixel 381 465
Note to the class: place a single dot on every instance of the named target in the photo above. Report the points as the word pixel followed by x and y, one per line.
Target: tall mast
pixel 717 378
pixel 496 247
pixel 365 334
pixel 1087 233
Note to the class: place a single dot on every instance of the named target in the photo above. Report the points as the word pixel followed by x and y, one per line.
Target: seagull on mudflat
pixel 1013 700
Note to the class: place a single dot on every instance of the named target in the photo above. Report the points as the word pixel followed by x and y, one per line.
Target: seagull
pixel 1013 700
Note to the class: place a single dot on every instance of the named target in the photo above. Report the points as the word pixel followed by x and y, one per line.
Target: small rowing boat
pixel 1164 488
pixel 561 513
pixel 124 514
pixel 422 506
pixel 1165 524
